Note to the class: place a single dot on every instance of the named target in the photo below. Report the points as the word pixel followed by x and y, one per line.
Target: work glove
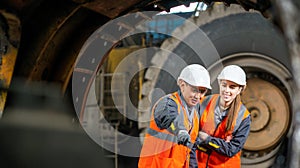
pixel 183 137
pixel 203 136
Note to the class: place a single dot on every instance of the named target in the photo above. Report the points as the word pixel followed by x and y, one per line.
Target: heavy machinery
pixel 101 55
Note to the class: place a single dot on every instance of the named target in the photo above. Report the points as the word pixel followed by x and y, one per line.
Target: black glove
pixel 183 137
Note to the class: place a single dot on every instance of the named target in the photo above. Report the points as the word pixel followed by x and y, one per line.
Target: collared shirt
pixel 219 114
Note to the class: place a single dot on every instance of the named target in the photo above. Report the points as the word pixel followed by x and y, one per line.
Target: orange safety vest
pixel 207 124
pixel 160 148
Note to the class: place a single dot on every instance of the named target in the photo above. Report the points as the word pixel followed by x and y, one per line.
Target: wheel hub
pixel 269 113
pixel 260 115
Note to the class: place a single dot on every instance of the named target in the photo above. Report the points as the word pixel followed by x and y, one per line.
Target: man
pixel 174 123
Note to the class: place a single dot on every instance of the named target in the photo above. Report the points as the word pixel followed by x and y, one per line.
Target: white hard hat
pixel 233 73
pixel 195 75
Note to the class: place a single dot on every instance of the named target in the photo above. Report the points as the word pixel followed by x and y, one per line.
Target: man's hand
pixel 183 137
pixel 203 135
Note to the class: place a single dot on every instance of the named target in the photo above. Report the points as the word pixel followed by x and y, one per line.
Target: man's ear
pixel 181 83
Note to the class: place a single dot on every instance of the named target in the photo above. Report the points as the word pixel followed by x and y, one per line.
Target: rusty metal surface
pixel 110 8
pixel 45 56
pixel 269 113
pixel 17 5
pixel 9 41
pixel 6 72
pixel 114 8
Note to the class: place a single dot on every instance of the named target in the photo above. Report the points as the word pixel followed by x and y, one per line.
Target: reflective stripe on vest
pixel 167 137
pixel 161 135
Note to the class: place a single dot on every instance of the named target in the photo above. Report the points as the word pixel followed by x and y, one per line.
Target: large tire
pixel 239 37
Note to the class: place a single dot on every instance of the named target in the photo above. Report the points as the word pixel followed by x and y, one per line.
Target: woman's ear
pixel 242 88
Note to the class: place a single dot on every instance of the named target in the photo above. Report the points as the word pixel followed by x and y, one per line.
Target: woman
pixel 224 123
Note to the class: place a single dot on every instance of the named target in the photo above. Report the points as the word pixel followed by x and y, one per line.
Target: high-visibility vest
pixel 160 148
pixel 213 159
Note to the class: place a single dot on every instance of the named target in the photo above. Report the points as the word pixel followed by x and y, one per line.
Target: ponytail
pixel 232 112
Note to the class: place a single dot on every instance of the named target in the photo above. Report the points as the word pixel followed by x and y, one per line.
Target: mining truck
pixel 105 63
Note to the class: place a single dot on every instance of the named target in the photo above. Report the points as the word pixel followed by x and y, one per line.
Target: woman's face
pixel 228 91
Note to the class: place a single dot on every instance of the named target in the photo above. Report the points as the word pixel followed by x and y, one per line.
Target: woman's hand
pixel 229 138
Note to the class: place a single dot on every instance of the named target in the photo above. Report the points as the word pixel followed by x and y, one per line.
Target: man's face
pixel 191 94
